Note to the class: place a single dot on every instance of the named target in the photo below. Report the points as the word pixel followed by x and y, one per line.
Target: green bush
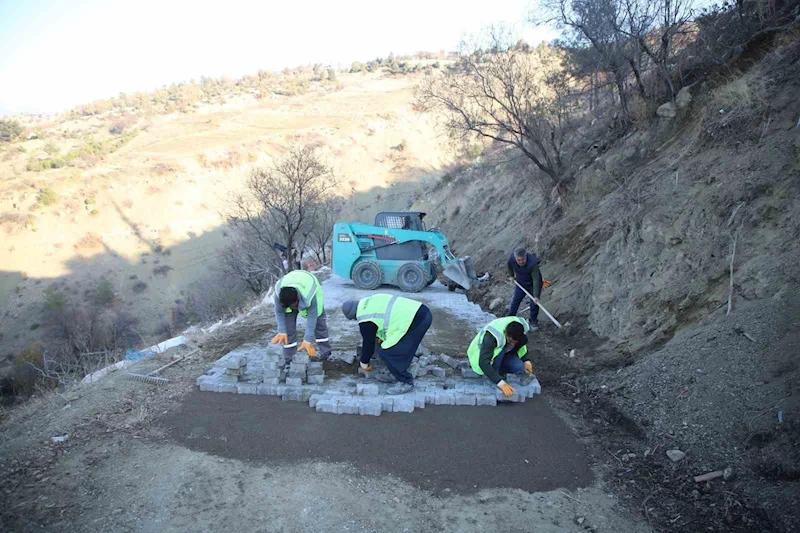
pixel 9 130
pixel 103 293
pixel 51 148
pixel 54 301
pixel 47 196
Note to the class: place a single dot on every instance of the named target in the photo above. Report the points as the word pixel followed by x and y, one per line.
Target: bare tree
pixel 279 202
pixel 653 24
pixel 248 259
pixel 325 214
pixel 502 92
pixel 593 27
pixel 627 38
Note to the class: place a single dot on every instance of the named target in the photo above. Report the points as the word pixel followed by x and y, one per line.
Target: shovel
pixel 551 317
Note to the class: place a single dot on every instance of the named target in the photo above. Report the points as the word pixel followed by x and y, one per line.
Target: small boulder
pixel 675 455
pixel 667 110
pixel 496 303
pixel 684 97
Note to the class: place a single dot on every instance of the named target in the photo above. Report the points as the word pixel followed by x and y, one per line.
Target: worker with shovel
pixel 523 267
pixel 501 348
pixel 400 324
pixel 299 292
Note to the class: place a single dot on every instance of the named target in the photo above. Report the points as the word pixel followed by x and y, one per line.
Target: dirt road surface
pixel 148 459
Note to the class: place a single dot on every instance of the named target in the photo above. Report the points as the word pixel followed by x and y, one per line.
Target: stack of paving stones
pixel 439 380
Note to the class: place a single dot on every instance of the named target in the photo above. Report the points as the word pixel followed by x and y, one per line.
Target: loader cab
pixel 408 220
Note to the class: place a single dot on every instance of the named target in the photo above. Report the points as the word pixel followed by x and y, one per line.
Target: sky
pixel 58 54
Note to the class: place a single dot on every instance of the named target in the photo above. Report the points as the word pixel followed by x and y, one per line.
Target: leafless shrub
pixel 121 124
pixel 510 95
pixel 81 337
pixel 163 270
pixel 211 300
pixel 139 287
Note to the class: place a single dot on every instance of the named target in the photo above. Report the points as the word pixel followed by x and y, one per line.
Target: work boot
pixel 400 388
pixel 383 376
pixel 534 326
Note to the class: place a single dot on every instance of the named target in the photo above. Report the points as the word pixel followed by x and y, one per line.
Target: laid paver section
pixel 258 368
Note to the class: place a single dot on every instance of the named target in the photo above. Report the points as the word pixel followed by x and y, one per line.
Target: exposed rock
pixel 675 455
pixel 684 97
pixel 667 110
pixel 496 303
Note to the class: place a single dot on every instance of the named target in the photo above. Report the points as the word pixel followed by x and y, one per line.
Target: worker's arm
pixel 510 267
pixel 536 278
pixel 280 314
pixel 523 342
pixel 311 320
pixel 368 335
pixel 485 359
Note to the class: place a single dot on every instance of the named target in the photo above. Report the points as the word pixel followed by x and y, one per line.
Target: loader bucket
pixel 462 272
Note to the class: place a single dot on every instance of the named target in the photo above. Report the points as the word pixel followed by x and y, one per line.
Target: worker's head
pixel 520 255
pixel 289 297
pixel 515 333
pixel 349 309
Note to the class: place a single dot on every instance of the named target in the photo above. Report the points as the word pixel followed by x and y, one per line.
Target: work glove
pixel 366 367
pixel 310 350
pixel 528 367
pixel 280 338
pixel 545 284
pixel 507 389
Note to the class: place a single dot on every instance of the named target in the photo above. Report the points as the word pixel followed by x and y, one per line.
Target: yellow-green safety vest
pixel 496 328
pixel 392 314
pixel 306 284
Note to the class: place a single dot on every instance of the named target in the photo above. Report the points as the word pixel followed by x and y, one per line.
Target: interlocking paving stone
pixel 353 394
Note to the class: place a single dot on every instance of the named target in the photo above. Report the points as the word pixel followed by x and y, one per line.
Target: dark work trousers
pixel 320 334
pixel 398 357
pixel 516 300
pixel 508 363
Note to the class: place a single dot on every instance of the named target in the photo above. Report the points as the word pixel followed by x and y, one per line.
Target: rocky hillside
pixel 643 246
pixel 641 258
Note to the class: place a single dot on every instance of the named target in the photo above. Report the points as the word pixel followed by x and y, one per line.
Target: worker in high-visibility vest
pixel 300 293
pixel 400 324
pixel 500 348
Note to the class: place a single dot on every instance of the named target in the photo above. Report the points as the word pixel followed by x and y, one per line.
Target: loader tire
pixel 411 277
pixel 432 276
pixel 367 275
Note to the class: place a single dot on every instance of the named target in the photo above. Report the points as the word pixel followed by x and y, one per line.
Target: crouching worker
pixel 400 324
pixel 500 348
pixel 299 292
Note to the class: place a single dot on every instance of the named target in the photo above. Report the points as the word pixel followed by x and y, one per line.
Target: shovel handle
pixel 551 317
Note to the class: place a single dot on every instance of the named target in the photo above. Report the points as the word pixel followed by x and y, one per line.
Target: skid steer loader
pixel 397 250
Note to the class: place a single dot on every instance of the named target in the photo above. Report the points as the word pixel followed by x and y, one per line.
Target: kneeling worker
pixel 400 324
pixel 501 348
pixel 299 292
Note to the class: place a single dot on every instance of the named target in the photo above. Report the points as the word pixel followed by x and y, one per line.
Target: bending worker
pixel 523 267
pixel 501 348
pixel 400 324
pixel 299 292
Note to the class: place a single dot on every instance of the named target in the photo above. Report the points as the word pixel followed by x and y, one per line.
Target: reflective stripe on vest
pixel 392 314
pixel 300 280
pixel 496 328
